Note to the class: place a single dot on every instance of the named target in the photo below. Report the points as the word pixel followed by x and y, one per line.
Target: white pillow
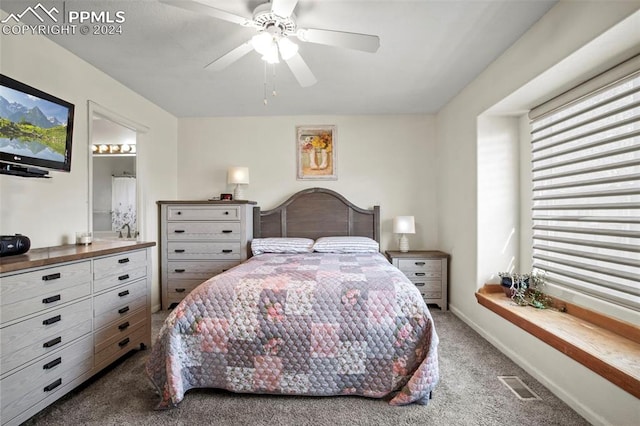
pixel 281 245
pixel 346 245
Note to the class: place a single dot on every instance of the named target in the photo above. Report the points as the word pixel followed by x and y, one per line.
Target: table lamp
pixel 404 225
pixel 238 176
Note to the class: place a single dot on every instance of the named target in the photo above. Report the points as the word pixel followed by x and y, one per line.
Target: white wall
pixel 50 211
pixel 561 32
pixel 498 197
pixel 381 160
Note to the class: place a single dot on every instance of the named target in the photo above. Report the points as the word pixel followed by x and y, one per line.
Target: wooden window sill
pixel 607 346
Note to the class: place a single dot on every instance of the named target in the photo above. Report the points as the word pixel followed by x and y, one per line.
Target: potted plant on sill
pixel 525 289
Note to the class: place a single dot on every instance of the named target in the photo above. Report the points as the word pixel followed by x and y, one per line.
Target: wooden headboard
pixel 314 213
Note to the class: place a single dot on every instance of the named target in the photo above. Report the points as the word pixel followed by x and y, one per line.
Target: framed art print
pixel 316 152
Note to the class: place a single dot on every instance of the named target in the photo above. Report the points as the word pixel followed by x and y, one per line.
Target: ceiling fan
pixel 275 23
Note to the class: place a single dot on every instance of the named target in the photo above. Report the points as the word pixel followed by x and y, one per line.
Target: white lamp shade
pixel 287 48
pixel 404 225
pixel 238 175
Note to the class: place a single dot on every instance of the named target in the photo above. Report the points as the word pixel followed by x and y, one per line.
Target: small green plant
pixel 526 289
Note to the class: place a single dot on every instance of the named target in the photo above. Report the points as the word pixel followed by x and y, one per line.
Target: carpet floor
pixel 469 393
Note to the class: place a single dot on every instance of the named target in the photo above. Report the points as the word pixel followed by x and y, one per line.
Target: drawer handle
pixel 53 385
pixel 180 290
pixel 123 293
pixel 179 250
pixel 420 274
pixel 52 320
pixel 224 270
pixel 419 284
pixel 179 231
pixel 227 251
pixel 125 260
pixel 124 343
pixel 178 212
pixel 123 277
pixel 420 263
pixel 51 299
pixel 123 326
pixel 226 212
pixel 51 277
pixel 52 342
pixel 227 231
pixel 123 310
pixel 50 365
pixel 179 270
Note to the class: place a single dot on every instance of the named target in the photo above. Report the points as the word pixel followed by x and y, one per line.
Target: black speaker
pixel 14 244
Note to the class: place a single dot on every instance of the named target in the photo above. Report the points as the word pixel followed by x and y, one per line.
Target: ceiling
pixel 429 51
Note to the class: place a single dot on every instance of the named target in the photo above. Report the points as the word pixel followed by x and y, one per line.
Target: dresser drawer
pixel 203 251
pixel 180 288
pixel 420 265
pixel 122 277
pixel 119 303
pixel 31 292
pixel 203 231
pixel 120 329
pixel 45 377
pixel 43 334
pixel 121 346
pixel 118 264
pixel 197 270
pixel 195 212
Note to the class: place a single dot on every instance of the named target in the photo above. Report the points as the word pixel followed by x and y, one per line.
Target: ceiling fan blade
pixel 357 41
pixel 195 6
pixel 283 8
pixel 230 57
pixel 301 71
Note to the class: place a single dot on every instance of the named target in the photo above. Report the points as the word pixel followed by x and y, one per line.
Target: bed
pixel 317 310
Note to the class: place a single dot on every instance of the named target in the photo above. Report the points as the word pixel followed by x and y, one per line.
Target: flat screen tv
pixel 36 130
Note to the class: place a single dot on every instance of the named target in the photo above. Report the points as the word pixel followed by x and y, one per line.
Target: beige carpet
pixel 469 393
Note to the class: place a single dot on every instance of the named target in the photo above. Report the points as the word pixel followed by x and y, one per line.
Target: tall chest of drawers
pixel 427 270
pixel 56 328
pixel 198 240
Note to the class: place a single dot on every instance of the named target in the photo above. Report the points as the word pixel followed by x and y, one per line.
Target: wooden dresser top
pixel 67 253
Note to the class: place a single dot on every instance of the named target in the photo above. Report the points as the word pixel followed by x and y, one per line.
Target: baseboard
pixel 558 391
pixel 155 308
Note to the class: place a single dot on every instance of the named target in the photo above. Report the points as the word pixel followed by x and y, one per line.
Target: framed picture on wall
pixel 316 152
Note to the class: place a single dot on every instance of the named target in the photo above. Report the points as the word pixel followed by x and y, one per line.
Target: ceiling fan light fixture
pixel 262 42
pixel 271 55
pixel 287 48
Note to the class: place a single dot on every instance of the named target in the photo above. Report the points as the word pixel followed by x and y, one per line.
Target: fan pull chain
pixel 265 84
pixel 274 93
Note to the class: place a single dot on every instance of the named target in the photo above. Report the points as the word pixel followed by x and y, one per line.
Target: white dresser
pixel 200 239
pixel 427 270
pixel 66 313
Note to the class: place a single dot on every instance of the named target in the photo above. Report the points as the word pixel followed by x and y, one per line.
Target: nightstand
pixel 427 269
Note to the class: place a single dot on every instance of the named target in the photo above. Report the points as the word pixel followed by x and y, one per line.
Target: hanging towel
pixel 123 203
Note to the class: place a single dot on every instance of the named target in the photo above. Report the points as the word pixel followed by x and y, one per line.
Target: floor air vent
pixel 516 385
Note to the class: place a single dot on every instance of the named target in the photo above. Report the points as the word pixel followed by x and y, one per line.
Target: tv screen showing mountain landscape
pixel 31 126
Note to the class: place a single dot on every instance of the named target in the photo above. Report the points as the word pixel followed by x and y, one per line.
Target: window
pixel 586 187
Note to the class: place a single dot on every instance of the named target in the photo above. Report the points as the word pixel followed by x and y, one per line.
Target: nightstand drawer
pixel 420 265
pixel 428 286
pixel 203 213
pixel 422 275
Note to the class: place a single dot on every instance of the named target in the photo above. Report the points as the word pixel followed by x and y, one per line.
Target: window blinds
pixel 586 187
